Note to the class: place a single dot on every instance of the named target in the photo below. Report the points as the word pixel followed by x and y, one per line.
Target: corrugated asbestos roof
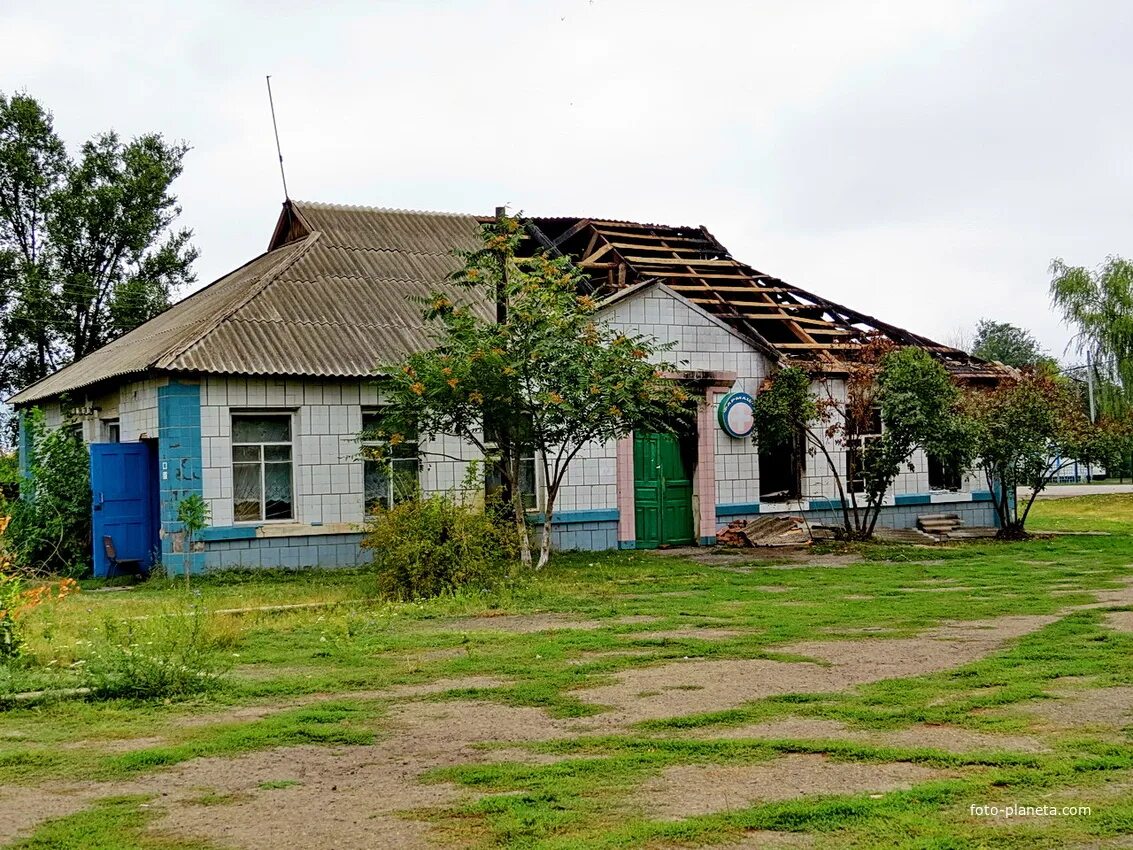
pixel 338 293
pixel 334 296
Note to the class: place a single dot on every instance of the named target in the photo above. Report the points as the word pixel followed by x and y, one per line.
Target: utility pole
pixel 1090 383
pixel 501 286
pixel 1093 413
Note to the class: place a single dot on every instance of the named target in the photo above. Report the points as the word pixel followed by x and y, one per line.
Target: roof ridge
pixel 165 360
pixel 323 205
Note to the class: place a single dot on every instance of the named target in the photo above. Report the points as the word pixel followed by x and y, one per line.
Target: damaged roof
pixel 784 321
pixel 338 290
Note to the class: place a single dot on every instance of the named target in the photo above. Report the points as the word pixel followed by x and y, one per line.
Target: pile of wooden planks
pixel 765 531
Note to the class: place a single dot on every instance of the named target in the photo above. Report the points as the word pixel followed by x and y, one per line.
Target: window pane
pixel 277 498
pixel 246 492
pixel 527 482
pixel 377 484
pixel 246 454
pixel 406 449
pixel 261 429
pixel 277 453
pixel 494 481
pixel 405 482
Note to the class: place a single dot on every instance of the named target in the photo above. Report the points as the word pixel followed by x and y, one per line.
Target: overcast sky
pixel 919 161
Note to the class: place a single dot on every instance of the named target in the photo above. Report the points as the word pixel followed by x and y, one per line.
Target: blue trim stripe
pixel 627 544
pixel 229 532
pixel 912 499
pixel 571 517
pixel 899 500
pixel 708 541
pixel 825 504
pixel 738 509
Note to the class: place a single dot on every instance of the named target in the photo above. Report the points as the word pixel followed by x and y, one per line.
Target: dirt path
pixel 355 798
pixel 688 790
pixel 696 686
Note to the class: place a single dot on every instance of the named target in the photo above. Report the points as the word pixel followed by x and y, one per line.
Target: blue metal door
pixel 122 486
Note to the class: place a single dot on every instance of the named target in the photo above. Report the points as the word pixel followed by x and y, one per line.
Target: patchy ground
pixel 689 790
pixel 860 699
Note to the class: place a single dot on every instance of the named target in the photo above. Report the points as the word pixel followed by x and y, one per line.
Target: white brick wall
pixel 700 342
pixel 134 406
pixel 328 478
pixel 327 419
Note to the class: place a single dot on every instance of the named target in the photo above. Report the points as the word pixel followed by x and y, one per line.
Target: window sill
pixel 254 531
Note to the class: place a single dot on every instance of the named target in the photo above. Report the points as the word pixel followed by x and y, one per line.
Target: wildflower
pixel 417 388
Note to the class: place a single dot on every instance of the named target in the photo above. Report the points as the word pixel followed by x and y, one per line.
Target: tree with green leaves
pixel 1025 429
pixel 50 530
pixel 88 246
pixel 1098 305
pixel 891 402
pixel 1008 344
pixel 545 376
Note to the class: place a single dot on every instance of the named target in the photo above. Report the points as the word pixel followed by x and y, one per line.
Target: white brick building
pixel 253 393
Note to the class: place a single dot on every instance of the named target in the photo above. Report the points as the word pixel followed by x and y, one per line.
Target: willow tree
pixel 1098 305
pixel 545 373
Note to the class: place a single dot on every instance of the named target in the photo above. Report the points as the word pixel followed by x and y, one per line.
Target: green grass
pixel 1112 513
pixel 111 824
pixel 337 660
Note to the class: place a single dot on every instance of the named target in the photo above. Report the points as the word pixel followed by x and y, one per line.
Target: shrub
pixel 50 528
pixel 434 545
pixel 167 656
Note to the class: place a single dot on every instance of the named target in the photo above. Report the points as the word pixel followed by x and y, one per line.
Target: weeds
pixel 168 657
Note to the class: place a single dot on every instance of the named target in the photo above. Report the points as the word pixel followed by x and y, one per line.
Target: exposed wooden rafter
pixel 694 264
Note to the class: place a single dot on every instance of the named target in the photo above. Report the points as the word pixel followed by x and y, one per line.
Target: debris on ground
pixel 951 527
pixel 783 530
pixel 766 531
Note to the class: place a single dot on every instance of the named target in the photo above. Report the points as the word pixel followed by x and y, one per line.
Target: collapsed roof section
pixel 786 322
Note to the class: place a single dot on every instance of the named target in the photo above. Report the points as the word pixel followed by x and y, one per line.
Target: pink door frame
pixel 704 481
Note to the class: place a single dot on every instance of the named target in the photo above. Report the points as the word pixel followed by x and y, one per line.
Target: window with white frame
pixel 262 475
pixel 855 451
pixel 111 431
pixel 392 467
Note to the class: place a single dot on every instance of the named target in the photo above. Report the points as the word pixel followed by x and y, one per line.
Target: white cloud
pixel 921 162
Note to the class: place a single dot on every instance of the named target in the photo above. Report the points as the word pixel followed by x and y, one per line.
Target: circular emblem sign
pixel 737 414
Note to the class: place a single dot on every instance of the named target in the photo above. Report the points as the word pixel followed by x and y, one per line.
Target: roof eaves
pixel 169 358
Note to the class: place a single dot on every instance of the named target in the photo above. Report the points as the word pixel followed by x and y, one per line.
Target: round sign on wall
pixel 737 414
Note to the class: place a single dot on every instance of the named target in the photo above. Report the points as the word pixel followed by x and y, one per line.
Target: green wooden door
pixel 662 492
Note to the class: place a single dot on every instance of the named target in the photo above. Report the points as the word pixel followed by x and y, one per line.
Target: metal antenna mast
pixel 275 127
